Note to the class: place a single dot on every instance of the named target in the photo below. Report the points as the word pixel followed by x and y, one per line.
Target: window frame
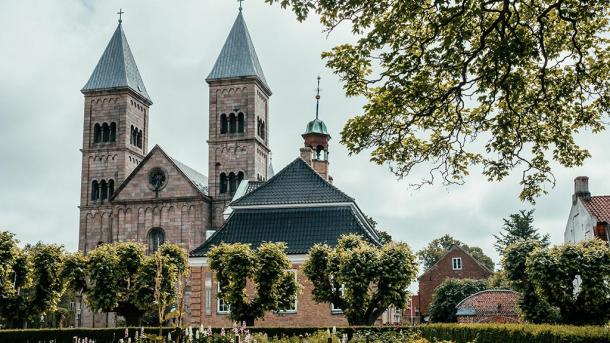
pixel 333 309
pixel 218 302
pixel 295 308
pixel 458 265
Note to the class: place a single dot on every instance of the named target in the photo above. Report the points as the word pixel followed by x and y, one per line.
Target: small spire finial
pixel 120 13
pixel 318 98
pixel 240 1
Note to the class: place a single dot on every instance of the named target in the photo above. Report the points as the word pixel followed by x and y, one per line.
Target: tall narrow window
pixel 258 126
pixel 232 123
pixel 222 307
pixel 140 139
pixel 263 133
pixel 103 190
pixel 156 237
pixel 232 183
pixel 105 132
pixel 223 183
pixel 240 122
pixel 110 188
pixel 223 123
pixel 95 190
pixel 113 132
pixel 456 263
pixel 97 133
pixel 131 136
pixel 240 177
pixel 293 306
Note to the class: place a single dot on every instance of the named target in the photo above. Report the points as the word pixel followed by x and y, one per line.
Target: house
pixel 589 215
pixel 457 263
pixel 489 306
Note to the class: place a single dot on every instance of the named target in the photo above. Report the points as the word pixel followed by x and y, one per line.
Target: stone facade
pixel 469 268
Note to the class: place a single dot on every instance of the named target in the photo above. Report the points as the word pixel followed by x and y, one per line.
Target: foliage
pixel 480 333
pixel 384 237
pixel 518 226
pixel 553 271
pixel 30 280
pixel 533 308
pixel 498 280
pixel 448 294
pixel 454 84
pixel 436 249
pixel 372 278
pixel 266 267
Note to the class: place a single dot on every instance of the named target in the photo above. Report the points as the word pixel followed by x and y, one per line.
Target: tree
pixel 360 278
pixel 532 307
pixel 553 272
pixel 384 237
pixel 30 280
pixel 436 249
pixel 456 84
pixel 267 268
pixel 448 294
pixel 518 226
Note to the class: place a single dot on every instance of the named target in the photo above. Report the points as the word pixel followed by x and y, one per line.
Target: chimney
pixel 307 154
pixel 581 189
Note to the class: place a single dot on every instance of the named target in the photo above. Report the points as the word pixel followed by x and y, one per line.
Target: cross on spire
pixel 318 97
pixel 120 13
pixel 240 1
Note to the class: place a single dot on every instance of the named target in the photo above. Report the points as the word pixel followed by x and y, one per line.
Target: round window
pixel 157 178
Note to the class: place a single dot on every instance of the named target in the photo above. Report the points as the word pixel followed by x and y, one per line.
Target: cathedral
pixel 132 193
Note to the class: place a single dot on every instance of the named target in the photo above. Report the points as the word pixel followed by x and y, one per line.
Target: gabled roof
pixel 117 68
pixel 599 206
pixel 454 247
pixel 300 228
pixel 198 180
pixel 238 57
pixel 297 183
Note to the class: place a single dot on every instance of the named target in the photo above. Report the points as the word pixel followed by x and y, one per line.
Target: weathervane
pixel 318 97
pixel 240 1
pixel 120 13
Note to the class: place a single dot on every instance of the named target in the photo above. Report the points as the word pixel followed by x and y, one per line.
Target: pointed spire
pixel 238 57
pixel 318 98
pixel 117 68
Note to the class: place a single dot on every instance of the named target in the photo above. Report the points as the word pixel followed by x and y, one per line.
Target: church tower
pixel 238 118
pixel 316 137
pixel 115 136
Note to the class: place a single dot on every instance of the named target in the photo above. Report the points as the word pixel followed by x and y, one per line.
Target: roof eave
pixel 138 95
pixel 261 83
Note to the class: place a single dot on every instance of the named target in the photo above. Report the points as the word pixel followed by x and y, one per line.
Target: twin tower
pixel 116 122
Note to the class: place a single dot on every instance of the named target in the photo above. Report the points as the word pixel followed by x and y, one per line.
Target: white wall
pixel 580 224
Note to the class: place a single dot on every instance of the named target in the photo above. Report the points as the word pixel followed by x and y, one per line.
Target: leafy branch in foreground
pixel 501 84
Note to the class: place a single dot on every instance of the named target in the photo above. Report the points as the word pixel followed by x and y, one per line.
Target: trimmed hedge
pixel 459 333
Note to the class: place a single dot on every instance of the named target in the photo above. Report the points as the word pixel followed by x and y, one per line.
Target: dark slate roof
pixel 299 228
pixel 297 183
pixel 238 57
pixel 117 68
pixel 252 185
pixel 199 180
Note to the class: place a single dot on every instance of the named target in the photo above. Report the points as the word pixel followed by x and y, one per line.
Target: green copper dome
pixel 316 126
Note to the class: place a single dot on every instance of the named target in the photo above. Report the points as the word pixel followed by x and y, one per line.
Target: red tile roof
pixel 599 206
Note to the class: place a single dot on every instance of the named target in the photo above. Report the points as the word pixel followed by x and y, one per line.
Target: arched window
pixel 320 153
pixel 131 136
pixel 240 122
pixel 258 126
pixel 110 188
pixel 240 177
pixel 262 129
pixel 103 190
pixel 156 237
pixel 223 183
pixel 97 133
pixel 232 123
pixel 105 132
pixel 232 183
pixel 140 139
pixel 223 123
pixel 113 132
pixel 95 190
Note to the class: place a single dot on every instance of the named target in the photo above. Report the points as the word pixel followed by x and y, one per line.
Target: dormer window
pixel 456 263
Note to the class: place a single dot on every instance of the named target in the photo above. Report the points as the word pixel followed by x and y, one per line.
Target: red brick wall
pixel 443 270
pixel 309 313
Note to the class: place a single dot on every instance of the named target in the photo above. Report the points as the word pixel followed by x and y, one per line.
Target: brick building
pixel 131 193
pixel 489 306
pixel 457 263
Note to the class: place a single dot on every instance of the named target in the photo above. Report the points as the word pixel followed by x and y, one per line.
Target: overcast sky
pixel 49 49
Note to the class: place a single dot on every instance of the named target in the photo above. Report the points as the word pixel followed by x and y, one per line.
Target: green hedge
pixel 515 333
pixel 459 333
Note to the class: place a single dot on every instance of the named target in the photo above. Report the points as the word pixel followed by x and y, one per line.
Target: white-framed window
pixel 221 306
pixel 333 308
pixel 456 263
pixel 293 308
